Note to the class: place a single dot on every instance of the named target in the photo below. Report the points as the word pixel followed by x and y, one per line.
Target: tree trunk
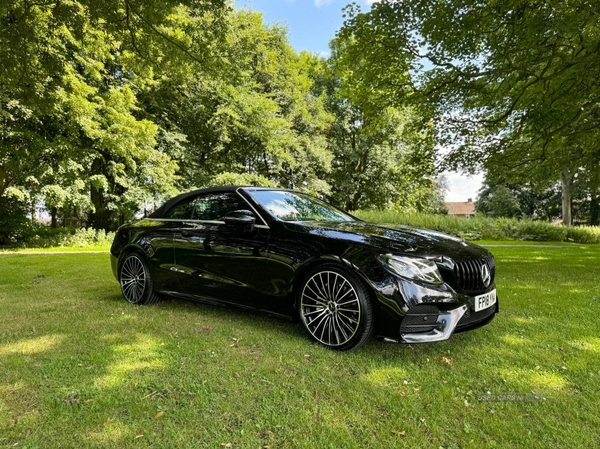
pixel 595 198
pixel 77 213
pixel 3 180
pixel 594 210
pixel 97 217
pixel 53 214
pixel 100 218
pixel 566 179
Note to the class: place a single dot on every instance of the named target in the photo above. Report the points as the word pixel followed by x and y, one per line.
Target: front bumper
pixel 444 327
pixel 412 312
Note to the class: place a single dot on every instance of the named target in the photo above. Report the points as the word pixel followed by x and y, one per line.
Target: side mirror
pixel 243 218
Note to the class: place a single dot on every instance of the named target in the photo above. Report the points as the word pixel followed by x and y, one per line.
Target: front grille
pixel 468 274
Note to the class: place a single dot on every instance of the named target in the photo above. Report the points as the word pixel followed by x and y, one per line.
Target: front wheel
pixel 335 308
pixel 135 280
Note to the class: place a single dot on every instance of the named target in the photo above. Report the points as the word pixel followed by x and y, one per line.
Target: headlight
pixel 413 268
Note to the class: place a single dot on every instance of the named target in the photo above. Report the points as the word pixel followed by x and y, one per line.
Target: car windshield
pixel 293 206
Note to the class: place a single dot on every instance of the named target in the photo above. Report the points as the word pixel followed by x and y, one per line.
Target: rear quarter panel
pixel 153 239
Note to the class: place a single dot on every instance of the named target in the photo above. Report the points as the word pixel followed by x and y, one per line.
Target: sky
pixel 311 25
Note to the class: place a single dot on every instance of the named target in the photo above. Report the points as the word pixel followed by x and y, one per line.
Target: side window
pixel 215 206
pixel 182 210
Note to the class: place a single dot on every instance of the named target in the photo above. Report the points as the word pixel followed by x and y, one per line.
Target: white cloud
pixel 462 187
pixel 319 3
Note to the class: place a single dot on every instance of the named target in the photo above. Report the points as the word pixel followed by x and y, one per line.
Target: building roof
pixel 461 208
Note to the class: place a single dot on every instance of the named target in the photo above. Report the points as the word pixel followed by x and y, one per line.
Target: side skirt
pixel 227 304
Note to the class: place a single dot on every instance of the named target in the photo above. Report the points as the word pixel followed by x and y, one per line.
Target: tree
pixel 107 108
pixel 515 84
pixel 383 157
pixel 437 204
pixel 498 201
pixel 69 76
pixel 258 116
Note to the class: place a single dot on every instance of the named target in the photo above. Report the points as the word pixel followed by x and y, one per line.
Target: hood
pixel 401 240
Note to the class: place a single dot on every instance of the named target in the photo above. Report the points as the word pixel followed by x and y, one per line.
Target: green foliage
pixel 70 73
pixel 14 224
pixel 241 179
pixel 537 230
pixel 498 201
pixel 483 228
pixel 109 108
pixel 529 201
pixel 437 199
pixel 539 204
pixel 512 83
pixel 258 117
pixel 38 236
pixel 383 156
pixel 584 234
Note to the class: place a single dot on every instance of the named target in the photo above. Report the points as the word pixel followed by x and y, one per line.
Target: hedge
pixel 484 228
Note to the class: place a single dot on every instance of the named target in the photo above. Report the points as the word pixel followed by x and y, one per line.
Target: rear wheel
pixel 335 308
pixel 135 280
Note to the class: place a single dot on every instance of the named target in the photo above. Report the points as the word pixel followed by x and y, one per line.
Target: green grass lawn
pixel 59 249
pixel 79 367
pixel 496 243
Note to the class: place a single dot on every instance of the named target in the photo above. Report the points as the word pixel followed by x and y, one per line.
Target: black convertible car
pixel 288 254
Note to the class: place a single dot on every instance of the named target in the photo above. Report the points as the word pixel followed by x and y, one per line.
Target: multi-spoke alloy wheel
pixel 135 280
pixel 335 308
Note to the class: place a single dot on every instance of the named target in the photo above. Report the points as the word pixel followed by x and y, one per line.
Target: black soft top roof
pixel 162 210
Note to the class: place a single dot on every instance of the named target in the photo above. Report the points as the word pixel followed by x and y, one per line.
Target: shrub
pixel 541 231
pixel 39 236
pixel 584 234
pixel 14 224
pixel 483 228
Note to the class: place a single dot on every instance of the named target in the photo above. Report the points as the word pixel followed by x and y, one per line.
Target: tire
pixel 135 280
pixel 335 308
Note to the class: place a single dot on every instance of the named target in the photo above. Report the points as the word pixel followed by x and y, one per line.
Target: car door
pixel 219 261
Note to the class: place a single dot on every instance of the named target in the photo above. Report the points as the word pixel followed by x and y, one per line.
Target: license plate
pixel 484 301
